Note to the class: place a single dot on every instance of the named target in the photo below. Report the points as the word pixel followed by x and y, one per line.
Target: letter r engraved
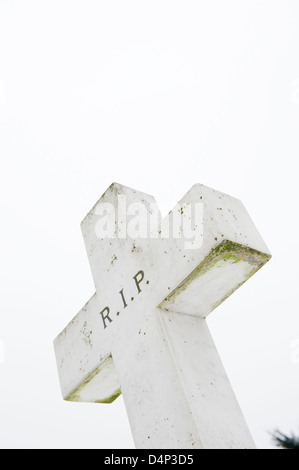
pixel 105 317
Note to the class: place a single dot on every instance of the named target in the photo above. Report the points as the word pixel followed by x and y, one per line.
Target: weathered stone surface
pixel 144 332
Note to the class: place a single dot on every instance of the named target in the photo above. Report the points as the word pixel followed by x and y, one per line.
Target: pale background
pixel 156 95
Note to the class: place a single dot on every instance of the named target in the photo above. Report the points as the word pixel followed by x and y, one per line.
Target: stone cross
pixel 144 332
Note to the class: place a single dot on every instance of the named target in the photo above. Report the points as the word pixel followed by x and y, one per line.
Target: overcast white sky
pixel 156 95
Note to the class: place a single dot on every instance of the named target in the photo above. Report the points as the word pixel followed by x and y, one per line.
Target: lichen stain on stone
pixel 86 335
pixel 136 248
pixel 110 399
pixel 225 251
pixel 114 258
pixel 74 396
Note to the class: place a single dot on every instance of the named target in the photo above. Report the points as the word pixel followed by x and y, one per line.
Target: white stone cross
pixel 144 333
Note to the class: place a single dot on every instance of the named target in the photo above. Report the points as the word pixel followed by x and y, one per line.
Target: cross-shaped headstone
pixel 144 331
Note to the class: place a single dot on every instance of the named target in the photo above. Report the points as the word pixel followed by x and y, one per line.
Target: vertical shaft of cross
pixel 212 402
pixel 190 406
pixel 158 410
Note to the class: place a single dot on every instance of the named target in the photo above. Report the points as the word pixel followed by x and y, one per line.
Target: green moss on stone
pixel 74 396
pixel 112 397
pixel 225 251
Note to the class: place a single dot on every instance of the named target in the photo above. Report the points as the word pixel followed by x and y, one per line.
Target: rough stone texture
pixel 158 351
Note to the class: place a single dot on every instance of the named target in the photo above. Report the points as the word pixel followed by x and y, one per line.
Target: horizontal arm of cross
pixel 84 358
